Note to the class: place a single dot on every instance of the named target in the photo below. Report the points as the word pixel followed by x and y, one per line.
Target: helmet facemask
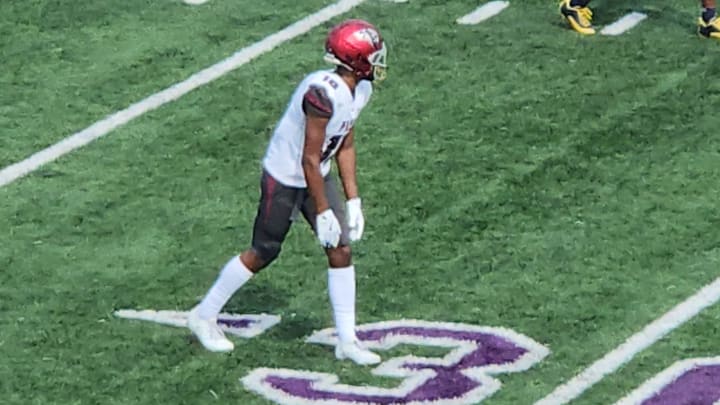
pixel 378 60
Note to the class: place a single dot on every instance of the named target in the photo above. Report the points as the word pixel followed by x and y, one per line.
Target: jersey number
pixel 332 82
pixel 330 148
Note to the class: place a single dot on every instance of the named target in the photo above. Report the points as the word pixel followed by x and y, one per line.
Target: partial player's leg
pixel 271 225
pixel 578 15
pixel 708 23
pixel 341 281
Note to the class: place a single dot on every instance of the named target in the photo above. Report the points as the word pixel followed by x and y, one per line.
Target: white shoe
pixel 355 352
pixel 209 333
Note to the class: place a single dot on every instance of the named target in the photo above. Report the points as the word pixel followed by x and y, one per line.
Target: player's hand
pixel 328 229
pixel 356 221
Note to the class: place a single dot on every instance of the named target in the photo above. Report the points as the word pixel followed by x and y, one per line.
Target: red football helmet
pixel 357 46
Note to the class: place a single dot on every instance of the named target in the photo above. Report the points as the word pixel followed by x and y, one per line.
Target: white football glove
pixel 328 229
pixel 355 219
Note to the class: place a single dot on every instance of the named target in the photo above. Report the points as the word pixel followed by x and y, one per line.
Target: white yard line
pixel 624 24
pixel 484 12
pixel 109 123
pixel 653 332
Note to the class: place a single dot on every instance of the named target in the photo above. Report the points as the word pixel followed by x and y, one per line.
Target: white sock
pixel 341 288
pixel 231 278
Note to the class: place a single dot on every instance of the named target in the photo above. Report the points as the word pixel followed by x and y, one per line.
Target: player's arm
pixel 318 110
pixel 345 159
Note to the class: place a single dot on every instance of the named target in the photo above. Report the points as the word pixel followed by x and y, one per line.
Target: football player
pixel 708 23
pixel 579 16
pixel 317 126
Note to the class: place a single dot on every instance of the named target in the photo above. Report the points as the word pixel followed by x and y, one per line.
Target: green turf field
pixel 514 175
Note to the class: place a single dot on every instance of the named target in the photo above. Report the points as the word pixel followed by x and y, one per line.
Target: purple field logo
pixel 462 376
pixel 689 382
pixel 244 326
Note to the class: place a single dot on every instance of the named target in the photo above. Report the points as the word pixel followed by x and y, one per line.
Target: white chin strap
pixel 377 59
pixel 330 58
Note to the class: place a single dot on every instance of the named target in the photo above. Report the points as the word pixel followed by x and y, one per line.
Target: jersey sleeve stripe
pixel 317 102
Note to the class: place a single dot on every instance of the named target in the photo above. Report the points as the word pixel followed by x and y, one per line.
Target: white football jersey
pixel 283 158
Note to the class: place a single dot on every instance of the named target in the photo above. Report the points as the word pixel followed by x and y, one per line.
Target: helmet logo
pixel 368 35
